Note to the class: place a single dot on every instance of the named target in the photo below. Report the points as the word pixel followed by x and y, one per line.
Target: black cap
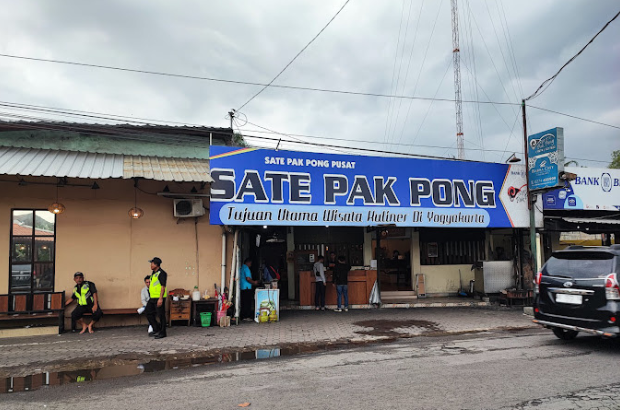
pixel 156 261
pixel 76 274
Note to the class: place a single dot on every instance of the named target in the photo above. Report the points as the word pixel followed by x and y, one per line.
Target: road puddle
pixel 389 328
pixel 112 371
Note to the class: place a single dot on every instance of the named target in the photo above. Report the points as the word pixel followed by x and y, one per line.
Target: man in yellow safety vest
pixel 85 293
pixel 156 307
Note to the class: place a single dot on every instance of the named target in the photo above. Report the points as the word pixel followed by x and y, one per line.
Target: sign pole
pixel 530 200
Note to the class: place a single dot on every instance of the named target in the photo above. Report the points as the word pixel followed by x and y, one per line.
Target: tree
pixel 238 140
pixel 615 159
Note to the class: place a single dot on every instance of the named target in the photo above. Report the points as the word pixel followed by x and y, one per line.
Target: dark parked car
pixel 578 292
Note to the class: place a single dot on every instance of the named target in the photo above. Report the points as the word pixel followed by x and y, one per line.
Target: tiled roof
pixel 22 230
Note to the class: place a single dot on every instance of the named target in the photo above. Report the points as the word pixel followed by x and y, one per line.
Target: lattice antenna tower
pixel 456 63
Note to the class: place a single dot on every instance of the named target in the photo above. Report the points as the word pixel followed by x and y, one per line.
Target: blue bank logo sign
pixel 545 158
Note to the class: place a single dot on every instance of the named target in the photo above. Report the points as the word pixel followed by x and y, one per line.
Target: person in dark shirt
pixel 85 293
pixel 341 280
pixel 156 307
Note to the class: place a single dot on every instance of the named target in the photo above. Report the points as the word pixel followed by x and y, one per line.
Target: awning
pixel 54 163
pixel 593 221
pixel 593 225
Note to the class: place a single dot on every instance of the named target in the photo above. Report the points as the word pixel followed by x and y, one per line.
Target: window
pixel 33 239
pixel 451 246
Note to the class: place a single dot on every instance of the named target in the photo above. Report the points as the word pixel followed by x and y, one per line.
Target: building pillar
pixel 367 247
pixel 290 262
pixel 415 255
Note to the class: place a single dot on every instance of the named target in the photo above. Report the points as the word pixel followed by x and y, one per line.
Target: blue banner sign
pixel 545 158
pixel 264 187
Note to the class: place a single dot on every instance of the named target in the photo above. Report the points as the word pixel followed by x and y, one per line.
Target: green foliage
pixel 615 159
pixel 238 140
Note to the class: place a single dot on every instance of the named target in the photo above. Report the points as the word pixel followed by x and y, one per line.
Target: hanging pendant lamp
pixel 57 207
pixel 135 212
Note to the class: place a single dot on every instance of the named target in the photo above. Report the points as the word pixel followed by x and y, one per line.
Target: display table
pixel 360 286
pixel 204 305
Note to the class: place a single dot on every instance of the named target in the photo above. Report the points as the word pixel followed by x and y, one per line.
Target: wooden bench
pixel 110 312
pixel 124 311
pixel 32 306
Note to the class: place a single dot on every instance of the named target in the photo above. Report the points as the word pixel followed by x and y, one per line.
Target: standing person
pixel 341 280
pixel 85 293
pixel 156 306
pixel 144 298
pixel 331 263
pixel 319 275
pixel 245 284
pixel 267 274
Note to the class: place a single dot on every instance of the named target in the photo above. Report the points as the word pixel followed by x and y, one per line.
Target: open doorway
pixel 394 260
pixel 268 246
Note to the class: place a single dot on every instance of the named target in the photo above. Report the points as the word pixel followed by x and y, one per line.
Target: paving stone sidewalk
pixel 23 355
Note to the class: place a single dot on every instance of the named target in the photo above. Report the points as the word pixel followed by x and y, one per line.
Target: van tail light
pixel 612 290
pixel 537 282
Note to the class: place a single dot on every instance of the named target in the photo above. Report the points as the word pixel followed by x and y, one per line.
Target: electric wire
pixel 501 49
pixel 295 58
pixel 473 112
pixel 415 87
pixel 400 66
pixel 547 83
pixel 392 89
pixel 415 37
pixel 509 41
pixel 288 87
pixel 150 122
pixel 490 56
pixel 574 116
pixel 510 135
pixel 485 93
pixel 430 105
pixel 184 141
pixel 475 76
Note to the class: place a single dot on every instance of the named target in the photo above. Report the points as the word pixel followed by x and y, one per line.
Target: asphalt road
pixel 521 369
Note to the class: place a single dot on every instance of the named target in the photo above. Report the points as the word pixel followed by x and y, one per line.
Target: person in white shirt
pixel 145 296
pixel 319 274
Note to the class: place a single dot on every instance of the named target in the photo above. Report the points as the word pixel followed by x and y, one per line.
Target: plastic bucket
pixel 205 319
pixel 220 314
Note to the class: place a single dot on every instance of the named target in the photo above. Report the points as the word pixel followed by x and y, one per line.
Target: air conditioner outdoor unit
pixel 188 208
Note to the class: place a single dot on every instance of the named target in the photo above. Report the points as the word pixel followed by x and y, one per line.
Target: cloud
pixel 250 41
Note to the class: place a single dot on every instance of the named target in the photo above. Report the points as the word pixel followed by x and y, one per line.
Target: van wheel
pixel 565 334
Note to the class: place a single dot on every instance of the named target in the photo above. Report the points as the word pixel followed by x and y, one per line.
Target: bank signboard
pixel 545 152
pixel 592 189
pixel 264 187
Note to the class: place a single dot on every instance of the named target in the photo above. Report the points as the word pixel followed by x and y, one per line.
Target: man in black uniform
pixel 85 293
pixel 156 307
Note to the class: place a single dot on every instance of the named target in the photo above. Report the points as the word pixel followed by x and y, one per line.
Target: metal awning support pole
pixel 223 281
pixel 377 254
pixel 238 286
pixel 530 199
pixel 233 269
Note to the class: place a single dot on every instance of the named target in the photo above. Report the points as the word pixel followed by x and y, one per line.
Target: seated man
pixel 144 297
pixel 85 293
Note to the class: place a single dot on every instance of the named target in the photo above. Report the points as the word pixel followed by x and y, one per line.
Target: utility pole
pixel 456 63
pixel 530 200
pixel 231 114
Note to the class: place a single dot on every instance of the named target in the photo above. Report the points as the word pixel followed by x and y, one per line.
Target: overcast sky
pixel 390 47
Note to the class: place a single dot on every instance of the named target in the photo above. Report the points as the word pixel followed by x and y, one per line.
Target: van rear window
pixel 579 264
